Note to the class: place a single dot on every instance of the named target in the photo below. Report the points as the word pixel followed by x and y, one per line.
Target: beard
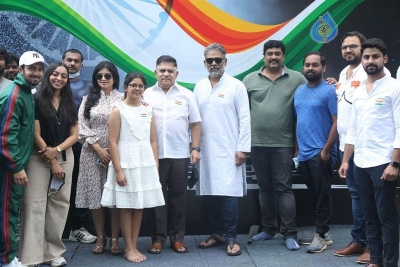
pixel 314 77
pixel 2 71
pixel 216 72
pixel 354 61
pixel 373 71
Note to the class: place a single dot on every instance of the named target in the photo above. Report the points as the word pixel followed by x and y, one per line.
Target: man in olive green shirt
pixel 271 91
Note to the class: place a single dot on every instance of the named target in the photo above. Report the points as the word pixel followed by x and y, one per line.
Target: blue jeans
pixel 378 201
pixel 223 212
pixel 359 231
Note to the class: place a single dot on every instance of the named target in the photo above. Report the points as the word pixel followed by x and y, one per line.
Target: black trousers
pixel 169 220
pixel 273 168
pixel 318 178
pixel 77 216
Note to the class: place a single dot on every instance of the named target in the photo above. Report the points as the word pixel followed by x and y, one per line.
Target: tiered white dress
pixel 143 189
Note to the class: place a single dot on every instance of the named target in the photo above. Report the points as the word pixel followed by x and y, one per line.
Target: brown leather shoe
pixel 352 249
pixel 366 257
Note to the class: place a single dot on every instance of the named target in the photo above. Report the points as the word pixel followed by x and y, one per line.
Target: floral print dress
pixel 92 177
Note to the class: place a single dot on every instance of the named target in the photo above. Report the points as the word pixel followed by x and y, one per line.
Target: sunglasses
pixel 106 76
pixel 217 60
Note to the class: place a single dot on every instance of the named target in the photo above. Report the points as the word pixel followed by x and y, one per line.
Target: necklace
pixel 58 117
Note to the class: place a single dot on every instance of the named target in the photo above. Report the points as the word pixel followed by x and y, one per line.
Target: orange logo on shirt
pixel 355 84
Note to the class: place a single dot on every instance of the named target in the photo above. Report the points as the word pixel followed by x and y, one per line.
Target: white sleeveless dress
pixel 143 189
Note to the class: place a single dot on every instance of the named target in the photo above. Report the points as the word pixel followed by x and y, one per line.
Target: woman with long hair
pixel 44 210
pixel 93 115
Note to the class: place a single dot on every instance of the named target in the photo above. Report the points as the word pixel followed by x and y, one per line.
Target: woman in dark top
pixel 44 211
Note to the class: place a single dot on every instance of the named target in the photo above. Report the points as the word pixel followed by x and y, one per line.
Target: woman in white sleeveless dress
pixel 132 180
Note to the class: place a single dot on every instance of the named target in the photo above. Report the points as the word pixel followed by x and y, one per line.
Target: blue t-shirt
pixel 314 107
pixel 79 89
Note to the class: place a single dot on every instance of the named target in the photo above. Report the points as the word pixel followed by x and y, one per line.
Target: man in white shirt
pixel 225 131
pixel 175 111
pixel 374 137
pixel 3 62
pixel 350 78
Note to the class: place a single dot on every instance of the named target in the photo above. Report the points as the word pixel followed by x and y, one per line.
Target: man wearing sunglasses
pixel 175 111
pixel 73 59
pixel 225 131
pixel 271 90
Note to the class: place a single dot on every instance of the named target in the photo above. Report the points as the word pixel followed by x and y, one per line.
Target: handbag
pixel 194 177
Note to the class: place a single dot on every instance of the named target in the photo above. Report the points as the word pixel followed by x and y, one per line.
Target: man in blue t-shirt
pixel 73 59
pixel 315 106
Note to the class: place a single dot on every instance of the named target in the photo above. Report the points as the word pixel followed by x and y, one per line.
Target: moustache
pixel 371 65
pixel 273 60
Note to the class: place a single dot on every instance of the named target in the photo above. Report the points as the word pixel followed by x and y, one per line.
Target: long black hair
pixel 44 97
pixel 132 75
pixel 94 91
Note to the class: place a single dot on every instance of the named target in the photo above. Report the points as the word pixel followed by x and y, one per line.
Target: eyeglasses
pixel 134 85
pixel 170 71
pixel 352 47
pixel 106 76
pixel 217 60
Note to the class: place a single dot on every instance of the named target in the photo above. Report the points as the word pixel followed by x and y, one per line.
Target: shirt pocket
pixel 179 109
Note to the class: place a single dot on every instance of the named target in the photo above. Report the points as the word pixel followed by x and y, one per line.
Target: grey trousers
pixel 43 217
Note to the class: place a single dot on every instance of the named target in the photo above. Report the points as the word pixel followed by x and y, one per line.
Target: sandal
pixel 100 249
pixel 115 251
pixel 231 243
pixel 211 237
pixel 155 248
pixel 177 247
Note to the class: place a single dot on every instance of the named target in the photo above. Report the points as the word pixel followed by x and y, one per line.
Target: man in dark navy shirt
pixel 73 59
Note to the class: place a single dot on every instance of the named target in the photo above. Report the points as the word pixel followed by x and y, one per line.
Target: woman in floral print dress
pixel 93 134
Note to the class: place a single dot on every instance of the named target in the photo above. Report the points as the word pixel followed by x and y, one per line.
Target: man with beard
pixel 270 92
pixel 73 59
pixel 175 111
pixel 225 131
pixel 4 82
pixel 374 137
pixel 17 118
pixel 350 78
pixel 316 108
pixel 11 69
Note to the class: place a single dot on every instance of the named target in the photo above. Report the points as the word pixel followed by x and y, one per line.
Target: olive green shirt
pixel 271 107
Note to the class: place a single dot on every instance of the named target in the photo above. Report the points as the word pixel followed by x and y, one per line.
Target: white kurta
pixel 225 129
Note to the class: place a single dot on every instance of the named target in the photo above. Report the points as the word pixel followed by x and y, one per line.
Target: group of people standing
pixel 137 146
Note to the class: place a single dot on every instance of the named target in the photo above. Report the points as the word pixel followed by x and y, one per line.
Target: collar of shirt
pixel 112 92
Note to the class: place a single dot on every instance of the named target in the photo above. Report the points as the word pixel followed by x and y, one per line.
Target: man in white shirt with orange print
pixel 350 78
pixel 175 111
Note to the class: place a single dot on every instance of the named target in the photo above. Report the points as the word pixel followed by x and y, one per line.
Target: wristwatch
pixel 395 164
pixel 195 148
pixel 58 149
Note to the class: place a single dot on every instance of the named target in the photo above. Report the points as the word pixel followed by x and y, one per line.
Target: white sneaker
pixel 57 262
pixel 14 263
pixel 81 235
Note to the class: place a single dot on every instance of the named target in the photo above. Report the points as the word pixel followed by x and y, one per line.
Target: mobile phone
pixel 98 162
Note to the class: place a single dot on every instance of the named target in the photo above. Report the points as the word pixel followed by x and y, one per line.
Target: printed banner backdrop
pixel 134 33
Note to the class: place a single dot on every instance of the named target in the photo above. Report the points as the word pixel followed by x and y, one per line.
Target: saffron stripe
pixel 5 126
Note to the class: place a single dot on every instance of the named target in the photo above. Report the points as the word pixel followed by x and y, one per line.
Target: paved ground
pixel 264 253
